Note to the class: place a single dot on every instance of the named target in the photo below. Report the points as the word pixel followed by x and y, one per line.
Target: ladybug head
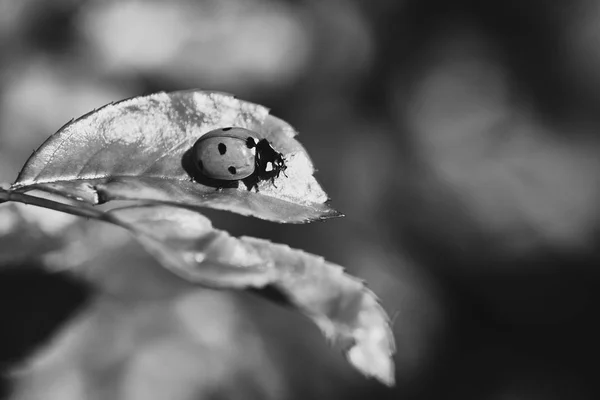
pixel 269 162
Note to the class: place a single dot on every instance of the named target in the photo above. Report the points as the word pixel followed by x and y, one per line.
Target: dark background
pixel 459 138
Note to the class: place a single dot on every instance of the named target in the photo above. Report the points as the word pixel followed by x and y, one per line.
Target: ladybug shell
pixel 226 154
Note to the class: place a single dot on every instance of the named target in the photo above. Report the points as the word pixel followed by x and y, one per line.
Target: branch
pixel 80 210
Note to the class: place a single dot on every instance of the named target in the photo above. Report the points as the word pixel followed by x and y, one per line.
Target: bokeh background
pixel 459 137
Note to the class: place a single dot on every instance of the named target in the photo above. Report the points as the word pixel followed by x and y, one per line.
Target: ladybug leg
pixel 282 167
pixel 251 182
pixel 254 186
pixel 282 171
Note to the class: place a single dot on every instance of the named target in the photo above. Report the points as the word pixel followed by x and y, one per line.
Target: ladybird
pixel 236 154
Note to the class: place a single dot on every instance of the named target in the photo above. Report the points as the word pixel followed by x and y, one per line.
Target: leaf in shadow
pixel 344 309
pixel 28 232
pixel 139 149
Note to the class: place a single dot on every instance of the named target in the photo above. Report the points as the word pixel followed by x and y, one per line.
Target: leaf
pixel 341 306
pixel 28 232
pixel 347 312
pixel 185 242
pixel 139 149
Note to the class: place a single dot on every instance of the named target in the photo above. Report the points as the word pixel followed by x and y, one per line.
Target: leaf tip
pixel 330 213
pixel 336 214
pixel 378 365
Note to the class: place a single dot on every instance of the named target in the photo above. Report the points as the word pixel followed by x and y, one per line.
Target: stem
pixel 80 211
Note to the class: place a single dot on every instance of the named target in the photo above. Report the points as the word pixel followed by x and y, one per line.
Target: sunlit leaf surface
pixel 138 149
pixel 344 309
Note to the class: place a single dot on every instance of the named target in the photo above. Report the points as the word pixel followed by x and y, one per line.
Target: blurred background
pixel 459 138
